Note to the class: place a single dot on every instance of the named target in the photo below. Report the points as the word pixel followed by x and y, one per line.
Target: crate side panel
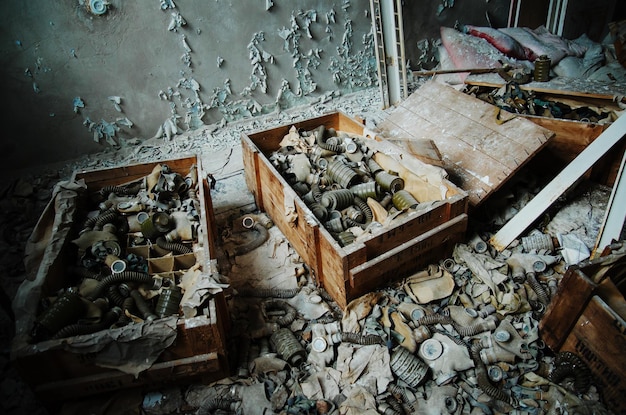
pixel 250 154
pixel 97 179
pixel 407 258
pixel 334 265
pixel 575 291
pixel 160 374
pixel 287 211
pixel 599 339
pixel 405 229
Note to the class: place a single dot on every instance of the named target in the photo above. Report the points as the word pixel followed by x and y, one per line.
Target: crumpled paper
pixel 484 267
pixel 42 252
pixel 367 366
pixel 198 286
pixel 573 249
pixel 323 384
pixel 358 402
pixel 424 181
pixel 428 285
pixel 358 309
pixel 130 349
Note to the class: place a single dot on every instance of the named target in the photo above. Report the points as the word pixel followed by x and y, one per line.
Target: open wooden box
pixel 394 251
pixel 588 318
pixel 55 368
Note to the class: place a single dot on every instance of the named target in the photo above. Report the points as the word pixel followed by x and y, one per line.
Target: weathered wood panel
pixel 480 152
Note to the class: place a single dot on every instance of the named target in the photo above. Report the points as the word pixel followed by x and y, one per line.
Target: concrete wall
pixel 64 68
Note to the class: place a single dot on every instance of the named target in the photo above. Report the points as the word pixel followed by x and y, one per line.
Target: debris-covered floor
pixel 460 337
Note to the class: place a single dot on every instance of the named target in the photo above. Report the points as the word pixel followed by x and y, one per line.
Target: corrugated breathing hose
pixel 362 339
pixel 542 294
pixel 483 378
pixel 568 364
pixel 118 190
pixel 115 296
pixel 80 328
pixel 269 292
pixel 290 312
pixel 126 276
pixel 142 305
pixel 91 222
pixel 109 217
pixel 212 404
pixel 263 235
pixel 362 204
pixel 174 247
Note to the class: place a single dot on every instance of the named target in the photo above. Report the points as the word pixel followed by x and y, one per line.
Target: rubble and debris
pixel 484 289
pixel 515 100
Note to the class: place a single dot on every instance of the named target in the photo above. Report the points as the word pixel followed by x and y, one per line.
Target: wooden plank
pixel 424 150
pixel 615 216
pixel 463 173
pixel 97 179
pixel 461 111
pixel 185 369
pixel 563 181
pixel 479 153
pixel 405 229
pixel 576 87
pixel 333 265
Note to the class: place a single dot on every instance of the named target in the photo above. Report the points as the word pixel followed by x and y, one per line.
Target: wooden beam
pixel 563 181
pixel 615 216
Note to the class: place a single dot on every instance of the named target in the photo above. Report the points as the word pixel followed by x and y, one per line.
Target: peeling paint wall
pixel 76 81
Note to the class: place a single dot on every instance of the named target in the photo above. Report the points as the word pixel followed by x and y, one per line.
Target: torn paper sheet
pixel 322 385
pixel 198 287
pixel 42 251
pixel 130 349
pixel 358 402
pixel 428 285
pixel 426 180
pixel 367 366
pixel 482 266
pixel 357 310
pixel 573 249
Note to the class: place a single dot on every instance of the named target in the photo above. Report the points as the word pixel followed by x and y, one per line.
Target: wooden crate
pixel 479 151
pixel 199 350
pixel 588 318
pixel 572 137
pixel 405 246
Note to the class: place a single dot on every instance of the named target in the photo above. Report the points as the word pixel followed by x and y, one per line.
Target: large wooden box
pixel 572 137
pixel 588 318
pixel 56 370
pixel 394 251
